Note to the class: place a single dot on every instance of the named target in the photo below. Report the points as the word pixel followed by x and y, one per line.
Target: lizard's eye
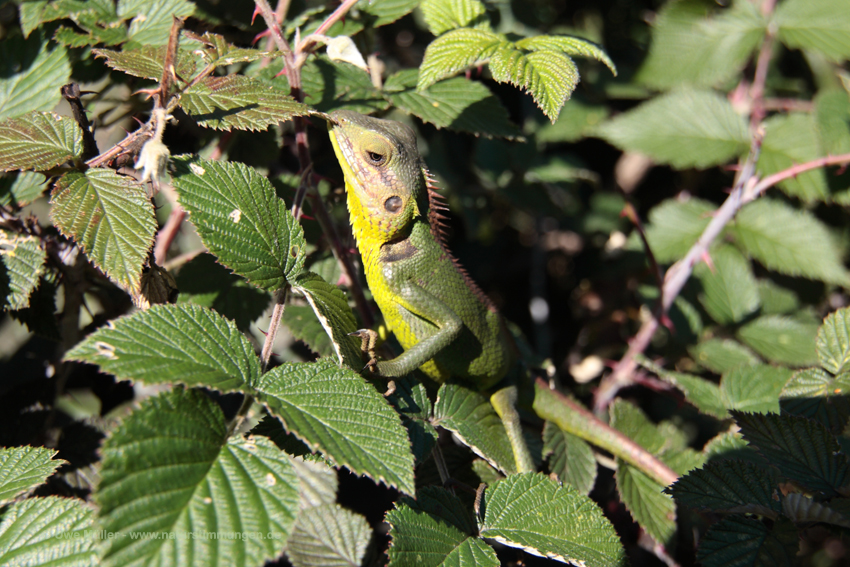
pixel 393 204
pixel 375 158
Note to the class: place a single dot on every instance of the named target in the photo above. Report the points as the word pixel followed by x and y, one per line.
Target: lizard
pixel 447 326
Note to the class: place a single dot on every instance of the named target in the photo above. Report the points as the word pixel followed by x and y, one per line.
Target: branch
pixel 293 62
pixel 573 418
pixel 676 277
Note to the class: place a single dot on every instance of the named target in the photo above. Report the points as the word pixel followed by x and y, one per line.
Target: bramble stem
pixel 574 418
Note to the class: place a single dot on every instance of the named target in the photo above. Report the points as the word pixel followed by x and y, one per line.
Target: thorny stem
pixel 573 418
pixel 293 62
pixel 678 274
pixel 165 237
pixel 265 354
pixel 676 277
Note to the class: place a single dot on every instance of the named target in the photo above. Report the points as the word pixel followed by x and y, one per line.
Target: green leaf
pixel 386 11
pixel 29 14
pixel 570 457
pixel 722 355
pixel 241 220
pixel 754 388
pixel 205 282
pixel 821 26
pixel 110 217
pixel 444 15
pixel 457 104
pixel 683 128
pixel 729 486
pixel 729 287
pixel 740 541
pixel 169 467
pixel 703 394
pixel 145 61
pixel 243 103
pixel 674 226
pixel 653 510
pixel 788 240
pixel 96 35
pixel 435 530
pixel 456 51
pixel 777 300
pixel 791 139
pixel 330 85
pixel 832 116
pixel 532 512
pixel 21 189
pixel 21 265
pixel 24 468
pixel 643 496
pixel 316 478
pixel 690 47
pixel 814 394
pixel 170 344
pixel 331 308
pixel 335 411
pixel 31 75
pixel 800 508
pixel 549 76
pixel 328 536
pixel 833 343
pixel 38 140
pixel 152 19
pixel 47 531
pixel 471 417
pixel 304 326
pixel 569 45
pixel 218 52
pixel 781 339
pixel 802 450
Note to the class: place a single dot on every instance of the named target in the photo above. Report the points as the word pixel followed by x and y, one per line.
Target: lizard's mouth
pixel 355 177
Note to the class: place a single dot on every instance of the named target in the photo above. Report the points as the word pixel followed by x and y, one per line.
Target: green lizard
pixel 445 323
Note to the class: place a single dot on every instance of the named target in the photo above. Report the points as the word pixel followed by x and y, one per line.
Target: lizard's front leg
pixel 431 308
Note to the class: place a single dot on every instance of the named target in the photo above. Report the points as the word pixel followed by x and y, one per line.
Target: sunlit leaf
pixel 169 467
pixel 337 412
pixel 241 220
pixel 185 344
pixel 820 25
pixel 684 128
pixel 833 342
pixel 24 468
pixel 21 265
pixel 690 46
pixel 781 339
pixel 533 512
pixel 48 531
pixel 243 103
pixel 328 536
pixel 151 19
pixel 457 104
pixel 444 15
pixel 31 74
pixel 110 217
pixel 729 286
pixel 470 416
pixel 788 240
pixel 39 141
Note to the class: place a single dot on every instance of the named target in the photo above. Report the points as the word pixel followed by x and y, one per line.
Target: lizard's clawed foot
pixel 369 340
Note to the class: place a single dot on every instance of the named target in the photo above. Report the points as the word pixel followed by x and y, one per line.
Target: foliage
pixel 234 422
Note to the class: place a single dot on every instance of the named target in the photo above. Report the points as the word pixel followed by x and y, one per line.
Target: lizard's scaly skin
pixel 447 327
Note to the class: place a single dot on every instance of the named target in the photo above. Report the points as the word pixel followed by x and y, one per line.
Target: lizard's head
pixel 383 173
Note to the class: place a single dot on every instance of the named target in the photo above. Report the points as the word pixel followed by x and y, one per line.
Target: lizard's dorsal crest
pixel 437 221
